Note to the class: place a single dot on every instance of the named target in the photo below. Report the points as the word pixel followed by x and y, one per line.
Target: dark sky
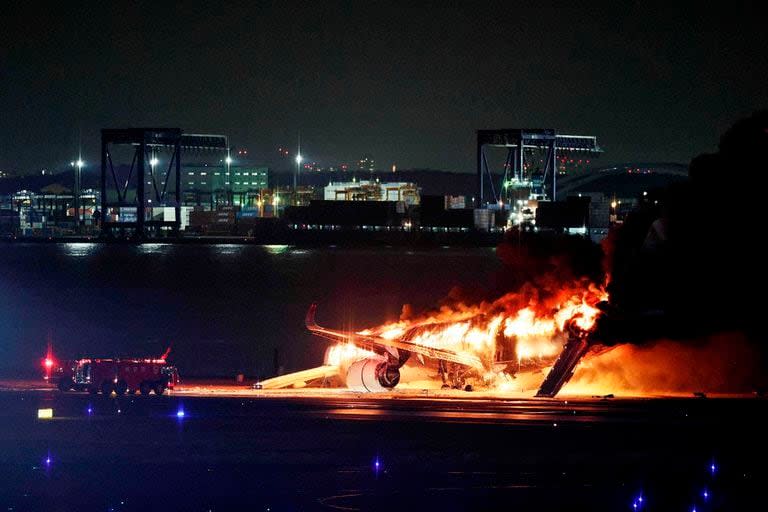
pixel 407 84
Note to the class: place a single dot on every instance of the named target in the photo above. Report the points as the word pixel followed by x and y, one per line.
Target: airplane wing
pixel 377 341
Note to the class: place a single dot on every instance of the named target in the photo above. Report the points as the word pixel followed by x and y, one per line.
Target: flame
pixel 721 363
pixel 525 327
pixel 346 353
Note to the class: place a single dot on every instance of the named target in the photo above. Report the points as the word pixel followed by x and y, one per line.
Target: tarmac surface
pixel 219 447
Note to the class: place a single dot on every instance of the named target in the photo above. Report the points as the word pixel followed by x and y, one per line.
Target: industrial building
pixel 238 179
pixel 214 185
pixel 367 190
pixel 51 212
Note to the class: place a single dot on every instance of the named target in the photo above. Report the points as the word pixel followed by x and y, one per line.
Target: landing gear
pixel 453 375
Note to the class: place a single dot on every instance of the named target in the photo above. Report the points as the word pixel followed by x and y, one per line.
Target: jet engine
pixel 372 375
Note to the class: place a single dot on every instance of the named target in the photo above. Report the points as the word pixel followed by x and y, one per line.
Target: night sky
pixel 409 85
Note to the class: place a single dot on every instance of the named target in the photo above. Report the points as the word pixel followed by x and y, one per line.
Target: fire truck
pixel 120 375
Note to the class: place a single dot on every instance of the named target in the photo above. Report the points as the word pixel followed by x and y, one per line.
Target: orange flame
pixel 522 327
pixel 345 353
pixel 720 363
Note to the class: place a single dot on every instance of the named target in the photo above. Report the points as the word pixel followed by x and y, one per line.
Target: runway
pixel 306 450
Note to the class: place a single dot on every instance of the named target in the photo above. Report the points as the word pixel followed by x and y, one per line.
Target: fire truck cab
pixel 120 376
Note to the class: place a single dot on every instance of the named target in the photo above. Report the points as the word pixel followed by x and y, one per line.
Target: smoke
pixel 682 274
pixel 721 363
pixel 684 264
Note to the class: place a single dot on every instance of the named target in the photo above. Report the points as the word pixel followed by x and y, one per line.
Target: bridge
pixel 571 183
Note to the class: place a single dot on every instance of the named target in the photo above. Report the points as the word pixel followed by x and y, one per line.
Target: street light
pixel 79 164
pixel 228 161
pixel 299 158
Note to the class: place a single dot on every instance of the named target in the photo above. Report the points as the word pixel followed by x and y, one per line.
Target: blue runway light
pixel 180 413
pixel 705 494
pixel 712 468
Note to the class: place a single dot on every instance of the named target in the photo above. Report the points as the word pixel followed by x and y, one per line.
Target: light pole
pixel 78 166
pixel 275 202
pixel 228 160
pixel 152 163
pixel 299 158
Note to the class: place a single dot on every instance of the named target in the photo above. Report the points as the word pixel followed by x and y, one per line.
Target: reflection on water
pixel 79 249
pixel 228 249
pixel 276 249
pixel 154 248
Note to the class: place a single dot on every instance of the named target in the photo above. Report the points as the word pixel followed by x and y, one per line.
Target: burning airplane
pixel 483 346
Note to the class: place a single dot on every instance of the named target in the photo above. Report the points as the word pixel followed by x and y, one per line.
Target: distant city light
pixel 228 160
pixel 80 163
pixel 299 158
pixel 153 162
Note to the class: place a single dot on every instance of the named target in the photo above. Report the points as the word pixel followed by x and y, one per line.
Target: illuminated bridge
pixel 572 183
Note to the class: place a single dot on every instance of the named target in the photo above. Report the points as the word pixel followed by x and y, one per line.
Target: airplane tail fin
pixel 165 354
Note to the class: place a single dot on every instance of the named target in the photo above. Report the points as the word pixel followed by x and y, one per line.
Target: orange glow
pixel 723 363
pixel 345 353
pixel 520 329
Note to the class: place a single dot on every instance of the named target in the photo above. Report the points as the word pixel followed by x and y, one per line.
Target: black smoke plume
pixel 690 261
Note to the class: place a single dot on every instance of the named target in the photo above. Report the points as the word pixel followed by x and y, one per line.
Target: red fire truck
pixel 121 375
